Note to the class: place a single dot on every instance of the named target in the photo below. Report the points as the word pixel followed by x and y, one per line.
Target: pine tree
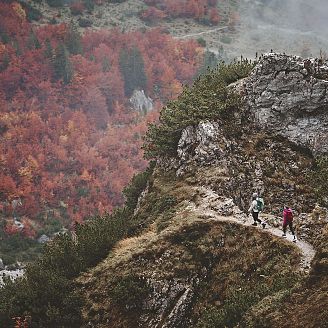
pixel 5 62
pixel 33 42
pixel 4 37
pixel 48 52
pixel 210 61
pixel 73 40
pixel 17 48
pixel 61 64
pixel 105 64
pixel 133 70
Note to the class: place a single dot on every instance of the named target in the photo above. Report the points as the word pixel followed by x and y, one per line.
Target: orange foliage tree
pixel 204 11
pixel 68 149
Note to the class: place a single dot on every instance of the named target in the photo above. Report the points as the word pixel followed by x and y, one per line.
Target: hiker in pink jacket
pixel 288 221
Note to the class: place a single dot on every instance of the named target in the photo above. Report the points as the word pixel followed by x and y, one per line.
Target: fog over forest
pixel 292 26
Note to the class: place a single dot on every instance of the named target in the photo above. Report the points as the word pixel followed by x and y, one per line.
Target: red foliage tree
pixel 197 9
pixel 214 16
pixel 153 14
pixel 67 150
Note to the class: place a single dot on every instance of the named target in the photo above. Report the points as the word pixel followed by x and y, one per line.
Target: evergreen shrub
pixel 208 99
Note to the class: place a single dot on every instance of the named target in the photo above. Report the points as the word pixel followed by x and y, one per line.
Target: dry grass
pixel 189 244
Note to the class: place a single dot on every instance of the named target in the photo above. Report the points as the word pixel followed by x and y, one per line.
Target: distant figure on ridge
pixel 255 208
pixel 288 221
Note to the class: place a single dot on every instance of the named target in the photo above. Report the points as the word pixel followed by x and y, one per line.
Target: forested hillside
pixel 70 138
pixel 182 252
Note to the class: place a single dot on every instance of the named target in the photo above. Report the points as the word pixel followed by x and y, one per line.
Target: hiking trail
pixel 201 33
pixel 214 207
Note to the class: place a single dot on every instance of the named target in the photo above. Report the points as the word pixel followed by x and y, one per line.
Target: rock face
pixel 43 239
pixel 170 311
pixel 140 102
pixel 201 145
pixel 288 96
pixel 253 162
pixel 12 274
pixel 284 121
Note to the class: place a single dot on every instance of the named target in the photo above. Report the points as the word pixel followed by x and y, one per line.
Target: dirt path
pixel 214 207
pixel 201 33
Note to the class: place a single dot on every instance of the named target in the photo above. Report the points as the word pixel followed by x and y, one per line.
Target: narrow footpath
pixel 192 35
pixel 213 207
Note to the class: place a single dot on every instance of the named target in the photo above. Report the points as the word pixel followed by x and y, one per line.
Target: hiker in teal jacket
pixel 255 208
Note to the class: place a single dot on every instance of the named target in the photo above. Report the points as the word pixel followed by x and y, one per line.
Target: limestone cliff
pixel 288 95
pixel 193 260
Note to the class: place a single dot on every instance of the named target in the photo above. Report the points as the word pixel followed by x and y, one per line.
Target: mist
pixel 293 26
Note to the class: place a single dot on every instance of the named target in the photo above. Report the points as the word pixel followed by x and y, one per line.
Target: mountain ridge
pixel 215 170
pixel 181 252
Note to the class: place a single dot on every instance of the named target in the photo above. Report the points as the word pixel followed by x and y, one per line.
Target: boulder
pixel 140 102
pixel 43 239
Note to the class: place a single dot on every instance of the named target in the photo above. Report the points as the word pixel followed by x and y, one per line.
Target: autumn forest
pixel 70 139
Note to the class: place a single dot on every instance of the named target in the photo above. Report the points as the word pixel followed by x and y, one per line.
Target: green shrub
pixel 226 39
pixel 85 22
pixel 208 98
pixel 98 236
pixel 55 3
pixel 201 42
pixel 33 14
pixel 17 247
pixel 137 186
pixel 89 5
pixel 45 295
pixel 53 21
pixel 240 299
pixel 129 292
pixel 4 37
pixel 47 291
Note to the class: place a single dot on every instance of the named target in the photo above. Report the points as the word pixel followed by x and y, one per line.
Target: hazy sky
pixel 309 15
pixel 291 26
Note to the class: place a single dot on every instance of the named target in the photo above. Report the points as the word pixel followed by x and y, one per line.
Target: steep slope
pixel 194 259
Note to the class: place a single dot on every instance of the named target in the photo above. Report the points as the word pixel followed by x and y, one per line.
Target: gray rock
pixel 19 224
pixel 140 102
pixel 169 303
pixel 201 145
pixel 12 274
pixel 43 239
pixel 2 266
pixel 288 96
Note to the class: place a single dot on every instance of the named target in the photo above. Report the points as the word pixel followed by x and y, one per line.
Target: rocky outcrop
pixel 283 123
pixel 255 161
pixel 12 274
pixel 43 239
pixel 140 102
pixel 287 95
pixel 201 145
pixel 169 303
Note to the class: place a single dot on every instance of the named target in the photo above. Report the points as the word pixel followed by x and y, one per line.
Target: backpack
pixel 260 204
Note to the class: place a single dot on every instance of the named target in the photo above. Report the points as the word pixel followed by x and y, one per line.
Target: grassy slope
pixel 249 262
pixel 250 281
pixel 125 15
pixel 234 270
